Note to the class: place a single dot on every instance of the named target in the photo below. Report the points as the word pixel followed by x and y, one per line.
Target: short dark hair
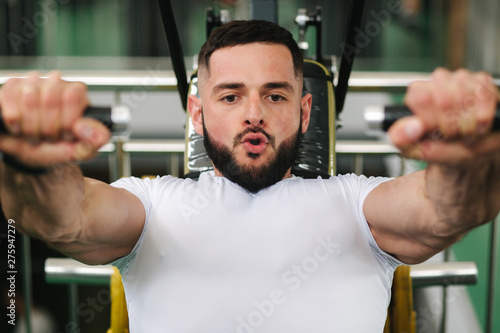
pixel 252 31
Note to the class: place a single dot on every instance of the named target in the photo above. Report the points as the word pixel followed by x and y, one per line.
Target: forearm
pixel 463 196
pixel 45 206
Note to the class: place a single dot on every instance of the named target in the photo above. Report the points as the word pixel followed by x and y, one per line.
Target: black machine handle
pixel 116 119
pixel 379 119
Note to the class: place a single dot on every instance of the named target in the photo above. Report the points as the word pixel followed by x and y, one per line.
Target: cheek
pixel 286 126
pixel 219 132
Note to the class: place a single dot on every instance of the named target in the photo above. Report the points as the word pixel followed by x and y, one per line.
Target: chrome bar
pixel 179 146
pixel 384 81
pixel 68 271
pixel 151 146
pixel 115 80
pixel 165 79
pixel 364 147
pixel 444 273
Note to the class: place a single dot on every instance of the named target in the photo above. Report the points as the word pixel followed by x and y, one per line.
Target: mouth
pixel 255 143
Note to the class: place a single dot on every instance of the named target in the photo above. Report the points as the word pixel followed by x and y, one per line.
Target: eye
pixel 276 98
pixel 229 98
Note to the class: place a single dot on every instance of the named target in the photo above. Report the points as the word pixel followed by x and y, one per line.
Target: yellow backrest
pixel 119 314
pixel 401 318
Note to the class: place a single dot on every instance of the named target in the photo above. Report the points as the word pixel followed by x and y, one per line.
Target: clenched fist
pixel 453 116
pixel 44 118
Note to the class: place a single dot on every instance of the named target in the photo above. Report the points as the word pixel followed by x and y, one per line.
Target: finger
pixel 467 104
pixel 43 154
pixel 420 100
pixel 444 94
pixel 9 105
pixel 74 101
pixel 29 106
pixel 488 97
pixel 50 122
pixel 455 152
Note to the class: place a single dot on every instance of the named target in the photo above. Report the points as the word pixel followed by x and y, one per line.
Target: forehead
pixel 250 63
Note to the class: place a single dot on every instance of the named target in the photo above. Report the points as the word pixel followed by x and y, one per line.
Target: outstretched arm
pixel 83 218
pixel 416 216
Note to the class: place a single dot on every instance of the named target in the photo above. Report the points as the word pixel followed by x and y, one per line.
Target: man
pixel 249 247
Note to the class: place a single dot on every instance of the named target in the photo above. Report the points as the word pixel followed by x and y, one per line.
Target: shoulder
pixel 148 183
pixel 348 182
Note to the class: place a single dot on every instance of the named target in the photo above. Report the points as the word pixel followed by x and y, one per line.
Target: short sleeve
pixel 362 186
pixel 142 189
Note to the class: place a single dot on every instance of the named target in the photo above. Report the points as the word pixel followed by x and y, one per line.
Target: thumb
pixel 90 135
pixel 91 131
pixel 406 132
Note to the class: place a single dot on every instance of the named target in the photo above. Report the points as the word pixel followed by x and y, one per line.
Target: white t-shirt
pixel 296 257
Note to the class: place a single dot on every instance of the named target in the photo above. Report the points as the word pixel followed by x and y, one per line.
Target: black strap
pixel 175 47
pixel 349 52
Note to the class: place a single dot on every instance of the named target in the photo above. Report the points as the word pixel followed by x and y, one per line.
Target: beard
pixel 253 178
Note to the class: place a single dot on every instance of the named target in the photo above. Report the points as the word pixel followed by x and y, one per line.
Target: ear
pixel 194 107
pixel 306 103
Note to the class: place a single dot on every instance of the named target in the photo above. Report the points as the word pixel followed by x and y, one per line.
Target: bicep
pixel 400 218
pixel 112 222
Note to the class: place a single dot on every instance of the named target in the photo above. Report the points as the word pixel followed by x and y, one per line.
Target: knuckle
pixel 56 75
pixel 484 77
pixel 444 101
pixel 50 100
pixel 8 89
pixel 75 93
pixel 419 95
pixel 13 81
pixel 415 85
pixel 440 73
pixel 463 73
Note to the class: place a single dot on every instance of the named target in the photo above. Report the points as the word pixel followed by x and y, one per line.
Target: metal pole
pixel 174 165
pixel 73 304
pixel 445 297
pixel 27 280
pixel 491 278
pixel 121 161
pixel 358 164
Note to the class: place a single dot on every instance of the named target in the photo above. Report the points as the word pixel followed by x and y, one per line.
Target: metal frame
pixel 360 81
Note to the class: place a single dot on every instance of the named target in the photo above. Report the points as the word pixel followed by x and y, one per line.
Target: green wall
pixel 476 247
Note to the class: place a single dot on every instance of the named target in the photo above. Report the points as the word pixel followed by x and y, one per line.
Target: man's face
pixel 251 106
pixel 250 177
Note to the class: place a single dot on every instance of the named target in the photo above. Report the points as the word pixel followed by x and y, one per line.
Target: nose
pixel 254 116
